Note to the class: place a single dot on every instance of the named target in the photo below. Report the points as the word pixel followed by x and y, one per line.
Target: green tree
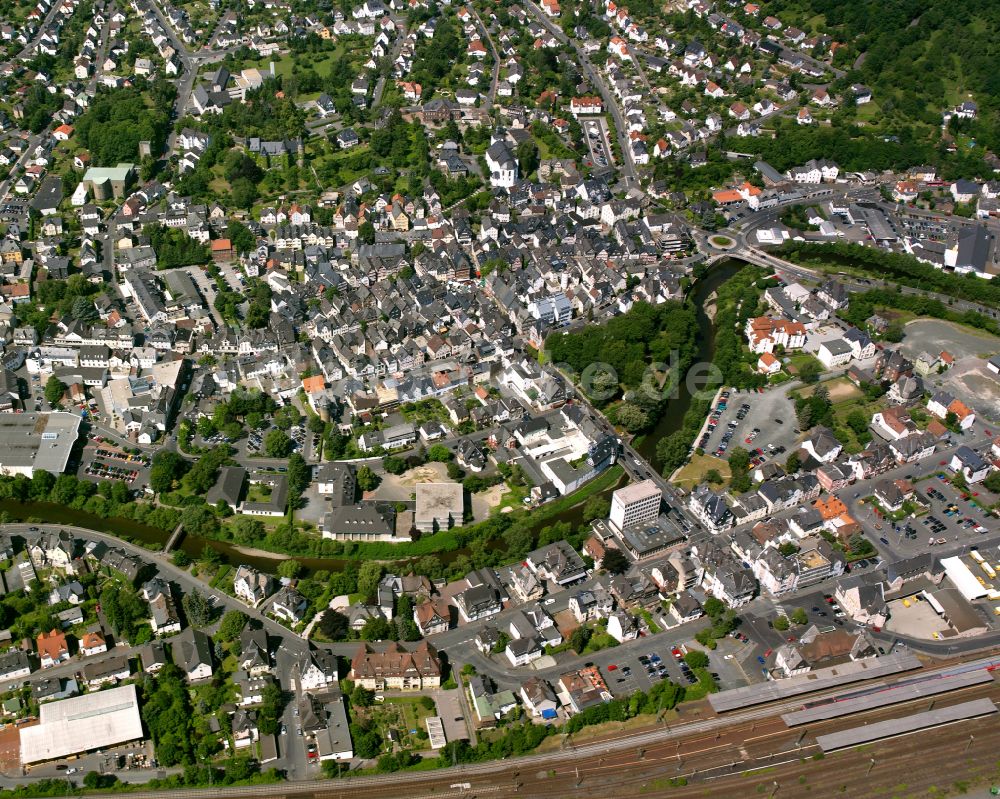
pixel 244 193
pixel 124 609
pixel 527 157
pixel 290 568
pixel 394 464
pixel 209 559
pixel 361 696
pixel 992 482
pixel 793 462
pixel 200 520
pixel 367 480
pixel 614 561
pixel 781 623
pixel 673 450
pixel 197 609
pixel 54 390
pixel 269 713
pixel 83 309
pixel 239 235
pixel 277 444
pixel 299 474
pixel 166 470
pixel 799 616
pixel 367 742
pixel 809 372
pixel 376 629
pixel 439 453
pixel 579 639
pixel 247 530
pixel 369 575
pixel 713 607
pixel 631 417
pixel 696 659
pixel 334 625
pixel 858 422
pixel 232 625
pixel 739 465
pixel 597 507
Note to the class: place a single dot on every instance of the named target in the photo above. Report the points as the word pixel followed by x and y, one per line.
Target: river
pixel 152 537
pixel 673 414
pixel 193 545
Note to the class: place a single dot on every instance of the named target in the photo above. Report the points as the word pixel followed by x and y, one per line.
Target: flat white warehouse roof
pixel 82 723
pixel 961 575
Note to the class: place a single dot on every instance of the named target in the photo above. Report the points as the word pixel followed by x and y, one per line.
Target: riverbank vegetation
pixel 612 361
pixel 106 500
pixel 496 540
pixel 899 268
pixel 737 300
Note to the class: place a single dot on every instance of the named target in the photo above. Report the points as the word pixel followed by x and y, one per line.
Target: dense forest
pixel 118 119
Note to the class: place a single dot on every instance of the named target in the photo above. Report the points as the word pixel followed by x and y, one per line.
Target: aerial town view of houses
pixel 540 397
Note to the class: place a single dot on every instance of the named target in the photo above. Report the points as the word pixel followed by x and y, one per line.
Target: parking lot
pixel 768 423
pixel 953 513
pixel 936 229
pixel 232 276
pixel 102 460
pixel 952 516
pixel 597 143
pixel 642 669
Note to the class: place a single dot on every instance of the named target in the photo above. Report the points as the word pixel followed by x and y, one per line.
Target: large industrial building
pixel 83 724
pixel 31 442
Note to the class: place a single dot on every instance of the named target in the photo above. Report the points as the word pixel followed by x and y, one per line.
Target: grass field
pixel 694 472
pixel 322 63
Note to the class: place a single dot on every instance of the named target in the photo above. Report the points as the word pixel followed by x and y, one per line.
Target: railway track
pixel 729 752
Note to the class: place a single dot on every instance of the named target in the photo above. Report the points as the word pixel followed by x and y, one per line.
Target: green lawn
pixel 322 62
pixel 799 359
pixel 693 473
pixel 648 618
pixel 598 641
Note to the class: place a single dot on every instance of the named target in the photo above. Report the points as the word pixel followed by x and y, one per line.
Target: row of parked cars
pixel 713 418
pixel 107 471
